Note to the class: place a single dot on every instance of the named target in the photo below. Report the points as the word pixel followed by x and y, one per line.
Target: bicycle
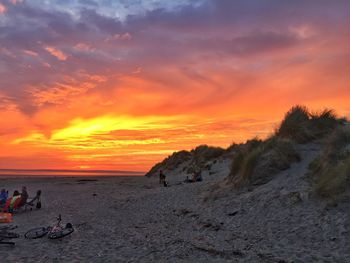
pixel 55 232
pixel 5 234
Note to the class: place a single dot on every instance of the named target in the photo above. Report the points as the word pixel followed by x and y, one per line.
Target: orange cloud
pixel 30 53
pixel 56 53
pixel 65 91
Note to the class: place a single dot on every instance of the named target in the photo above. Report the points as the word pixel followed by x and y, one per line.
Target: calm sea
pixel 65 173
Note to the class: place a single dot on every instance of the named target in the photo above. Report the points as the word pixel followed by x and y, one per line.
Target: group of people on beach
pixel 17 200
pixel 196 177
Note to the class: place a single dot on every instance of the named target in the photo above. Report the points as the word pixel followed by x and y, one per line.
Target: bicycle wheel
pixel 37 232
pixel 61 233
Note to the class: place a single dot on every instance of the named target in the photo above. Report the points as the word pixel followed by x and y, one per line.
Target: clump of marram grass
pixel 204 153
pixel 302 126
pixel 335 181
pixel 257 163
pixel 197 159
pixel 241 151
pixel 295 124
pixel 324 123
pixel 331 169
pixel 170 163
pixel 201 155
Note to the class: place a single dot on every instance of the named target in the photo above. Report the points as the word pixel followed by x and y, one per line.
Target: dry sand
pixel 133 219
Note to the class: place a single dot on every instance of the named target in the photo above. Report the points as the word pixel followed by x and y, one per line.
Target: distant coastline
pixel 65 173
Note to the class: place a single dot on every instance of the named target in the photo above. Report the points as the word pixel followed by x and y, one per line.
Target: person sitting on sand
pixel 37 198
pixel 13 202
pixel 187 180
pixel 196 177
pixel 192 180
pixel 24 196
pixel 3 196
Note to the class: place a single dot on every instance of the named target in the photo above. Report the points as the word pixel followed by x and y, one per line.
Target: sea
pixel 65 173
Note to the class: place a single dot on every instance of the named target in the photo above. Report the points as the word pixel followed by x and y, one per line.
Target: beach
pixel 134 219
pixel 164 131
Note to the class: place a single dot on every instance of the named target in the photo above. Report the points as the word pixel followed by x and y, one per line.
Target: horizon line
pixel 69 170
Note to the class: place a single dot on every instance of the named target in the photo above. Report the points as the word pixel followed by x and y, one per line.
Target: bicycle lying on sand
pixel 55 232
pixel 5 234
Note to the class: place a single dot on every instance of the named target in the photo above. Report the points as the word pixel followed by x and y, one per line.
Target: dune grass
pixel 171 162
pixel 257 161
pixel 248 165
pixel 335 181
pixel 197 158
pixel 302 126
pixel 241 153
pixel 295 124
pixel 331 169
pixel 205 153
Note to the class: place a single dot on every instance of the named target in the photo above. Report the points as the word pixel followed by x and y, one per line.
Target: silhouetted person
pixel 161 177
pixel 3 196
pixel 24 196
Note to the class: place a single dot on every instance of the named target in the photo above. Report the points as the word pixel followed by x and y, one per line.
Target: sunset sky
pixel 121 84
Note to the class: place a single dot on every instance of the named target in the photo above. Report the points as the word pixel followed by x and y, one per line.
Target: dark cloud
pixel 261 41
pixel 92 41
pixel 103 24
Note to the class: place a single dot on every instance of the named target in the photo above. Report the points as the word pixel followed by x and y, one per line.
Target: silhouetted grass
pixel 331 170
pixel 171 162
pixel 302 126
pixel 258 162
pixel 197 158
pixel 335 181
pixel 204 153
pixel 295 124
pixel 241 151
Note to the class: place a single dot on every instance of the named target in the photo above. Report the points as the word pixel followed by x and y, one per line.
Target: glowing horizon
pixel 120 85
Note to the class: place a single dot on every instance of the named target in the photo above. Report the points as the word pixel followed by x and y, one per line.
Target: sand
pixel 134 219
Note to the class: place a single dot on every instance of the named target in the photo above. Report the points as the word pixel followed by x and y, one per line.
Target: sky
pixel 121 84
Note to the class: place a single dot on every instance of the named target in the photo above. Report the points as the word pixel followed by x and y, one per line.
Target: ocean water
pixel 65 173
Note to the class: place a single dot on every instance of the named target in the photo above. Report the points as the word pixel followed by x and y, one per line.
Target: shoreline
pixel 46 173
pixel 9 176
